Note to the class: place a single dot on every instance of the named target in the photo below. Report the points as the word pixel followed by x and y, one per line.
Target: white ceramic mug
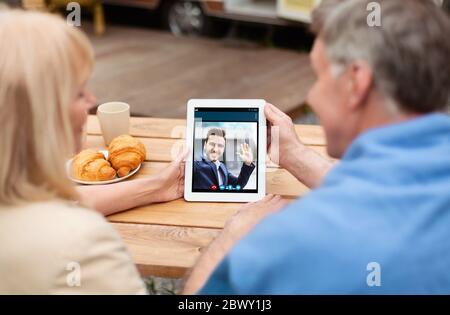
pixel 114 118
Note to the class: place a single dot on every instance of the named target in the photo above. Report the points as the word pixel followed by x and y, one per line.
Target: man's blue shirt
pixel 386 204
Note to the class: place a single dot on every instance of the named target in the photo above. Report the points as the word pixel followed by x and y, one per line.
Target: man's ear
pixel 360 84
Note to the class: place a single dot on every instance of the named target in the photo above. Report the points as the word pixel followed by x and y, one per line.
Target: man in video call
pixel 209 173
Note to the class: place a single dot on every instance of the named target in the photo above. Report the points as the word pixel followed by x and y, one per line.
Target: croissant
pixel 91 165
pixel 125 154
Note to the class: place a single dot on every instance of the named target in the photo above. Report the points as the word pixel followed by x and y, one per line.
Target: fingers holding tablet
pixel 282 137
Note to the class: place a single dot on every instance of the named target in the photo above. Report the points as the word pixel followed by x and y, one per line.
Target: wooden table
pixel 166 239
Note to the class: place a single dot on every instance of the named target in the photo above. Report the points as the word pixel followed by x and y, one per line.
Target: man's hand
pixel 288 141
pixel 308 166
pixel 250 214
pixel 246 154
pixel 237 227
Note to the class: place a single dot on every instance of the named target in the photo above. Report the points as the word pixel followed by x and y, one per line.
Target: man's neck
pixel 381 113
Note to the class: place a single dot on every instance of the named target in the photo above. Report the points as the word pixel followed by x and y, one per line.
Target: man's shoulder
pixel 200 160
pixel 201 163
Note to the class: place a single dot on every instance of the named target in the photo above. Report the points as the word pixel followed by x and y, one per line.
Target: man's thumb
pixel 271 115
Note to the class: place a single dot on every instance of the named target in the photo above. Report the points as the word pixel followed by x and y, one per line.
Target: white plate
pixel 103 182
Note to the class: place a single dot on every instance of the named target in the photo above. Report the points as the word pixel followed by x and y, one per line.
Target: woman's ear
pixel 360 84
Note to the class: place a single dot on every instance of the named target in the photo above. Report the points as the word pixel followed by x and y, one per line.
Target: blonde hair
pixel 43 63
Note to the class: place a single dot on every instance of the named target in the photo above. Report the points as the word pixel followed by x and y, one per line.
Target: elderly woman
pixel 51 241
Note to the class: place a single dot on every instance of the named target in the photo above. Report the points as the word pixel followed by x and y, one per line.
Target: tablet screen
pixel 225 150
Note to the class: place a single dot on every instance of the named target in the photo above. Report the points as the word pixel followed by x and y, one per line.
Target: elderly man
pixel 378 221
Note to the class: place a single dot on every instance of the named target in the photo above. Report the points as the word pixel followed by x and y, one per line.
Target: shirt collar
pixel 408 133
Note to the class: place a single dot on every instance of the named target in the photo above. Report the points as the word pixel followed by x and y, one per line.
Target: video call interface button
pixel 225 187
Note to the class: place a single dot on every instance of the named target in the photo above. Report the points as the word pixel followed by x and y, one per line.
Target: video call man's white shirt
pixel 218 172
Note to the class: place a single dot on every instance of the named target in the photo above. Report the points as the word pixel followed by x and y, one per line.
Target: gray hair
pixel 409 53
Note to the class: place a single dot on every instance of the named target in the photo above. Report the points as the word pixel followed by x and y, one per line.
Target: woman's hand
pixel 170 180
pixel 167 185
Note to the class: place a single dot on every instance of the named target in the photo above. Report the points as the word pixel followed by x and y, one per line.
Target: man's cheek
pixel 310 95
pixel 314 97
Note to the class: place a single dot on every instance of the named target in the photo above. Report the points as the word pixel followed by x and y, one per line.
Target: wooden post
pixel 99 18
pixel 34 4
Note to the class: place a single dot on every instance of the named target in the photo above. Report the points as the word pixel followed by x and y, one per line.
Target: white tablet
pixel 227 142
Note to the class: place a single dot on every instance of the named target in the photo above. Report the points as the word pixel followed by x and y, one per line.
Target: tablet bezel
pixel 262 145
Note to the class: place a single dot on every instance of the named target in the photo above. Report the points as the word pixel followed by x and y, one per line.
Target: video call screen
pixel 225 154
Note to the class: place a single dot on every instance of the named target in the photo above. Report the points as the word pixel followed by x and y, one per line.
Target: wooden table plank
pixel 147 127
pixel 160 150
pixel 278 180
pixel 180 213
pixel 203 214
pixel 157 149
pixel 176 129
pixel 164 251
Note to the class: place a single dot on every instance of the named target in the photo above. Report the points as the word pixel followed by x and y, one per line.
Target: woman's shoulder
pixel 62 218
pixel 41 229
pixel 50 240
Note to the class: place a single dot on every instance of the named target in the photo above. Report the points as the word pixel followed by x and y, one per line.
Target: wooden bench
pixel 166 239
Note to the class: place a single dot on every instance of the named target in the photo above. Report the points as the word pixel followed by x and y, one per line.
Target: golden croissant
pixel 91 165
pixel 125 154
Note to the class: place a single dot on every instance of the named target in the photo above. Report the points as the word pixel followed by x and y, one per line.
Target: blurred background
pixel 157 54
